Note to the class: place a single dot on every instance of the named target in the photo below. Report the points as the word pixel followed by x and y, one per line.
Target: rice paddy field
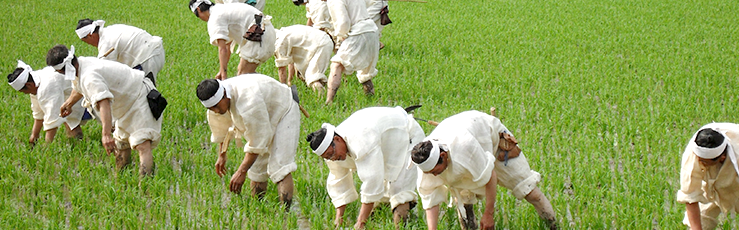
pixel 602 95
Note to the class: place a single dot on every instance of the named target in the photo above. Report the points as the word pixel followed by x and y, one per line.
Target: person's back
pixel 318 14
pixel 100 79
pixel 350 17
pixel 51 93
pixel 132 45
pixel 254 92
pixel 230 19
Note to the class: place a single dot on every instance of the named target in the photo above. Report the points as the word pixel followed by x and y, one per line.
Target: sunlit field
pixel 602 95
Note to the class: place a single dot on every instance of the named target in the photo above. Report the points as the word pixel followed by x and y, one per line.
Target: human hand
pixel 487 222
pixel 33 139
pixel 221 164
pixel 65 109
pixel 108 143
pixel 221 75
pixel 237 180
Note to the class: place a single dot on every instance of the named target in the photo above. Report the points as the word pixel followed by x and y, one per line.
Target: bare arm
pixel 107 122
pixel 491 190
pixel 364 213
pixel 694 215
pixel 224 54
pixel 35 131
pixel 237 180
pixel 66 108
pixel 432 217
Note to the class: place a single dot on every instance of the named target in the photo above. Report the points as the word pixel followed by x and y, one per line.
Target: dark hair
pixel 421 152
pixel 84 22
pixel 298 2
pixel 315 138
pixel 57 54
pixel 709 138
pixel 203 7
pixel 17 72
pixel 207 88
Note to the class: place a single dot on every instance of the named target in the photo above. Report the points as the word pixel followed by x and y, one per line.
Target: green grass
pixel 603 96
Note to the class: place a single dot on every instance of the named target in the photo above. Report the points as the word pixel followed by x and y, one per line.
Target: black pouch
pixel 384 19
pixel 157 103
pixel 255 32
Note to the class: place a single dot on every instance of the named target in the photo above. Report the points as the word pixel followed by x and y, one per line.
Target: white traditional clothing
pixel 378 141
pixel 259 3
pixel 231 20
pixel 317 12
pixel 131 46
pixel 263 112
pixel 308 48
pixel 472 138
pixel 50 95
pixel 126 88
pixel 715 187
pixel 373 10
pixel 359 46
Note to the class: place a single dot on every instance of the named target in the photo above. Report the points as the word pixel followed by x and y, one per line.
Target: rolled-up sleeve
pixel 36 110
pixel 50 101
pixel 340 185
pixel 218 29
pixel 691 180
pixel 431 189
pixel 219 124
pixel 283 48
pixel 97 89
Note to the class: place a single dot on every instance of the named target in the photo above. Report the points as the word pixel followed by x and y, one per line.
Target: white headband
pixel 22 78
pixel 433 158
pixel 88 29
pixel 709 153
pixel 69 71
pixel 326 139
pixel 212 101
pixel 197 4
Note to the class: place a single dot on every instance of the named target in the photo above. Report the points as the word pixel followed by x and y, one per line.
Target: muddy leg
pixel 122 158
pixel 468 223
pixel 401 214
pixel 285 189
pixel 146 159
pixel 334 81
pixel 543 207
pixel 258 189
